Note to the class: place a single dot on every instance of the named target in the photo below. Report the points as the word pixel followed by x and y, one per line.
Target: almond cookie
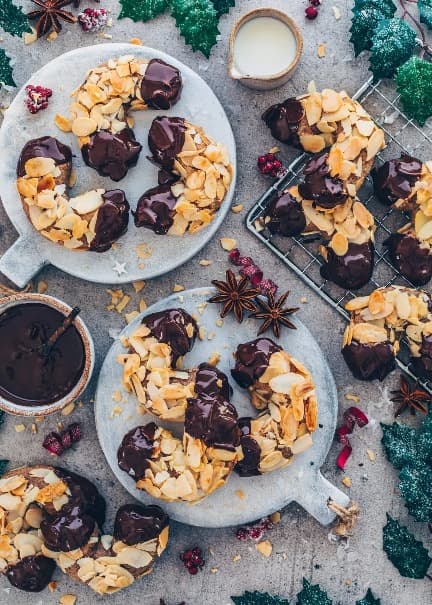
pixel 282 389
pixel 92 221
pixel 406 184
pixel 195 175
pixel 378 323
pixel 100 112
pixel 51 516
pixel 187 469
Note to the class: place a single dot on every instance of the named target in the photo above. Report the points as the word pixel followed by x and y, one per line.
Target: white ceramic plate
pixel 32 251
pixel 301 481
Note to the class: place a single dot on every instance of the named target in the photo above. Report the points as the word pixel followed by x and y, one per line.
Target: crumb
pixel 236 558
pixel 210 336
pixel 321 51
pixel 274 149
pixel 352 397
pixel 202 333
pixel 237 209
pixel 52 36
pixel 138 285
pixel 116 411
pixel 178 288
pixel 214 359
pixel 19 428
pixel 135 41
pixel 214 570
pixel 371 455
pixel 66 411
pixel 348 582
pixel 303 299
pixel 142 305
pixel 228 243
pixel 219 323
pixel 346 481
pixel 265 548
pixel 205 263
pixel 143 251
pixel 34 429
pixel 240 494
pixel 275 517
pixel 52 585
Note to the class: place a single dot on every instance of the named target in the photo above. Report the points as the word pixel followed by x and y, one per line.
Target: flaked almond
pixel 228 243
pixel 331 100
pixel 339 244
pixel 39 166
pixel 83 127
pixel 376 143
pixel 314 143
pixel 63 123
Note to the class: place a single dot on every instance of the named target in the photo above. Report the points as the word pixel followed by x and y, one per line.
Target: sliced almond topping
pixel 376 143
pixel 339 244
pixel 314 143
pixel 331 100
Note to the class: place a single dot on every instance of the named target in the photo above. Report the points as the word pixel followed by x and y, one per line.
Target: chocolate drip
pixel 212 419
pixel 248 467
pixel 112 220
pixel 112 154
pixel 326 191
pixel 73 525
pixel 136 449
pixel 286 215
pixel 284 119
pixel 252 359
pixel 27 376
pixel 161 85
pixel 369 361
pixel 45 147
pixel 135 523
pixel 423 364
pixel 32 573
pixel 155 209
pixel 395 178
pixel 171 327
pixel 409 258
pixel 352 270
pixel 211 381
pixel 166 139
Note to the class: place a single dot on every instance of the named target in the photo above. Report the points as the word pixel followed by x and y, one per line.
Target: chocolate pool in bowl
pixel 37 379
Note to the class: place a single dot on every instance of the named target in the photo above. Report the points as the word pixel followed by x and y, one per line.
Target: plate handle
pixel 22 261
pixel 313 496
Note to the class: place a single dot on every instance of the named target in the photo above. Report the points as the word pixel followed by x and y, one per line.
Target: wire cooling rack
pixel 300 254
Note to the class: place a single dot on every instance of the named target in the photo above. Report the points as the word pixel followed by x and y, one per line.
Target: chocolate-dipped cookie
pixel 91 221
pixel 284 392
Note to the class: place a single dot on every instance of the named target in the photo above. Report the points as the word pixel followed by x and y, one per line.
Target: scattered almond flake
pixel 240 494
pixel 138 285
pixel 205 263
pixel 19 428
pixel 258 225
pixel 352 397
pixel 311 87
pixel 237 208
pixel 346 481
pixel 42 286
pixel 34 429
pixel 211 335
pixel 109 23
pixel 202 333
pixel 274 149
pixel 141 265
pixel 131 316
pixel 116 411
pixel 321 51
pixel 201 308
pixel 236 558
pixel 336 12
pixel 142 305
pixel 265 548
pixel 348 582
pixel 178 288
pixel 117 396
pixel 135 41
pixel 143 251
pixel 228 243
pixel 303 299
pixel 214 359
pixel 123 303
pixel 52 36
pixel 392 117
pixel 29 38
pixel 106 36
pixel 52 585
pixel 371 455
pixel 68 599
pixel 214 570
pixel 275 517
pixel 211 550
pixel 115 246
pixel 219 323
pixel 66 411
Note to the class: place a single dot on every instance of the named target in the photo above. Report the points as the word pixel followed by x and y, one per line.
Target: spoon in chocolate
pixel 46 347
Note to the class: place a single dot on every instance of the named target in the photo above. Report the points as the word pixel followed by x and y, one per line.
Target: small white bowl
pixel 274 80
pixel 89 356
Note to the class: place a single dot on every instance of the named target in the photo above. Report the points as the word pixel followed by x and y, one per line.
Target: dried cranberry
pixel 53 443
pixel 343 456
pixel 355 415
pixel 311 13
pixel 66 439
pixel 93 19
pixel 242 533
pixel 37 98
pixel 234 256
pixel 75 432
pixel 269 165
pixel 192 560
pixel 57 443
pixel 268 285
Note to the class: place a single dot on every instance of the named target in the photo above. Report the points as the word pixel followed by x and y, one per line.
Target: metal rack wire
pixel 300 254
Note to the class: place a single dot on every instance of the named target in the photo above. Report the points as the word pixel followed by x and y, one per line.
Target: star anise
pixel 49 16
pixel 274 313
pixel 236 296
pixel 410 397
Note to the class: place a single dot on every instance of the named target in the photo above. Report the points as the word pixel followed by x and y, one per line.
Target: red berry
pixel 245 261
pixel 267 285
pixel 266 524
pixel 52 443
pixel 93 19
pixel 242 533
pixel 255 533
pixel 311 13
pixel 37 98
pixel 269 164
pixel 315 2
pixel 234 256
pixel 75 431
pixel 66 439
pixel 193 570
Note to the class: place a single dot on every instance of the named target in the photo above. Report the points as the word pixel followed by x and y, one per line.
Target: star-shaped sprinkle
pixel 120 268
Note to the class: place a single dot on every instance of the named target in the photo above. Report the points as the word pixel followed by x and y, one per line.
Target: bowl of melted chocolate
pixel 46 354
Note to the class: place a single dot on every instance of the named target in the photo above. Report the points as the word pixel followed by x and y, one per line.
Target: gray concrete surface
pixel 301 546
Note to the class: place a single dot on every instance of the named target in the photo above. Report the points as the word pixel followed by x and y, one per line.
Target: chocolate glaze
pixel 32 573
pixel 423 364
pixel 352 270
pixel 166 139
pixel 135 523
pixel 369 361
pixel 72 526
pixel 286 215
pixel 135 450
pixel 45 147
pixel 395 178
pixel 165 177
pixel 27 377
pixel 248 467
pixel 210 381
pixel 112 154
pixel 326 191
pixel 170 327
pixel 412 261
pixel 214 420
pixel 252 359
pixel 112 220
pixel 284 119
pixel 161 85
pixel 155 209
